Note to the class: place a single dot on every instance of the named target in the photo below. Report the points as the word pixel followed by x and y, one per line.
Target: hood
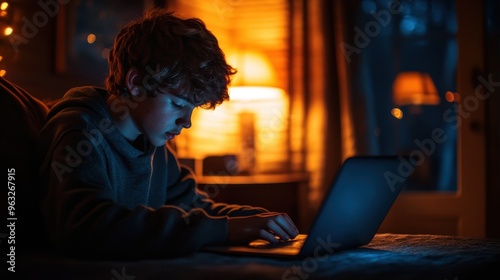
pixel 90 99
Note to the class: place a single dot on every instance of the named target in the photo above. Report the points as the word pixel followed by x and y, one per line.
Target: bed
pixel 388 256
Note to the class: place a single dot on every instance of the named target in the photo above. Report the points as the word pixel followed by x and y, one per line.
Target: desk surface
pixel 388 256
pixel 254 179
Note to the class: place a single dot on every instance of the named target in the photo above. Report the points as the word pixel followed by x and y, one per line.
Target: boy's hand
pixel 270 226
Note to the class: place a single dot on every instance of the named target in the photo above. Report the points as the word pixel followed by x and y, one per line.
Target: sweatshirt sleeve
pixel 183 193
pixel 84 220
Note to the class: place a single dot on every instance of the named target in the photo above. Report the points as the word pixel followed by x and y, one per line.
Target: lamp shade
pixel 254 69
pixel 414 88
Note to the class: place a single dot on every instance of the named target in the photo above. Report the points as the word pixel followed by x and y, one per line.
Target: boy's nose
pixel 185 122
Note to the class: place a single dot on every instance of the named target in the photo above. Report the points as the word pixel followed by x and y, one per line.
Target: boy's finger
pixel 278 230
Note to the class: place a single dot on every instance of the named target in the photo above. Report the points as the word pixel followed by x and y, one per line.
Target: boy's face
pixel 161 118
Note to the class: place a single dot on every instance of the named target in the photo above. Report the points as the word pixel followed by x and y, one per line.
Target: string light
pixel 8 30
pixel 5 28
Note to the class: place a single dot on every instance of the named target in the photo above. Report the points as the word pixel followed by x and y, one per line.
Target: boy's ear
pixel 132 81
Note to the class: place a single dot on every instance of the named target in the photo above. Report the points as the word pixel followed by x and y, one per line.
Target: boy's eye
pixel 177 105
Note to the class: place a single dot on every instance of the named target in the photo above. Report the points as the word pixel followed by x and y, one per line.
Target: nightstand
pixel 276 192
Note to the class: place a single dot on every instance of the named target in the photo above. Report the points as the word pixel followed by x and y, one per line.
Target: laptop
pixel 355 205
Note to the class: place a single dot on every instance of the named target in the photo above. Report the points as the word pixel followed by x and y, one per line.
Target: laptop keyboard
pixel 281 243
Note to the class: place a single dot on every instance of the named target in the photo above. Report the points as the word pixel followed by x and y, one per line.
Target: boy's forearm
pixel 108 230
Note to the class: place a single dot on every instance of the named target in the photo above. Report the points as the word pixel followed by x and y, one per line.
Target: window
pixel 394 38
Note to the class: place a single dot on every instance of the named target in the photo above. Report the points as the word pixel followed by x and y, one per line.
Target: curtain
pixel 315 95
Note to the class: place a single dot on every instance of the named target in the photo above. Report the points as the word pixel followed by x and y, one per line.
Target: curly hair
pixel 178 54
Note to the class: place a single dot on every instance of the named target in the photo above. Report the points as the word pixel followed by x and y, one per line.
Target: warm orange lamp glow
pixel 397 113
pixel 262 110
pixel 254 93
pixel 253 124
pixel 254 69
pixel 414 88
pixel 262 127
pixel 452 96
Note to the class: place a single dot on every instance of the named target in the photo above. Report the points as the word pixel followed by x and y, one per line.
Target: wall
pixel 43 55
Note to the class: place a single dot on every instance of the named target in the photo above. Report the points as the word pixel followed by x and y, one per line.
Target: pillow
pixel 21 119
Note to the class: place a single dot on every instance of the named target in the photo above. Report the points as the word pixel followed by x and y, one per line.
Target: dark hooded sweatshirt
pixel 104 198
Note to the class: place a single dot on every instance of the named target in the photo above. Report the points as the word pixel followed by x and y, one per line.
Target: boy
pixel 113 188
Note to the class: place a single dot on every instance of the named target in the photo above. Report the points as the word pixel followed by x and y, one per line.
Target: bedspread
pixel 388 256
